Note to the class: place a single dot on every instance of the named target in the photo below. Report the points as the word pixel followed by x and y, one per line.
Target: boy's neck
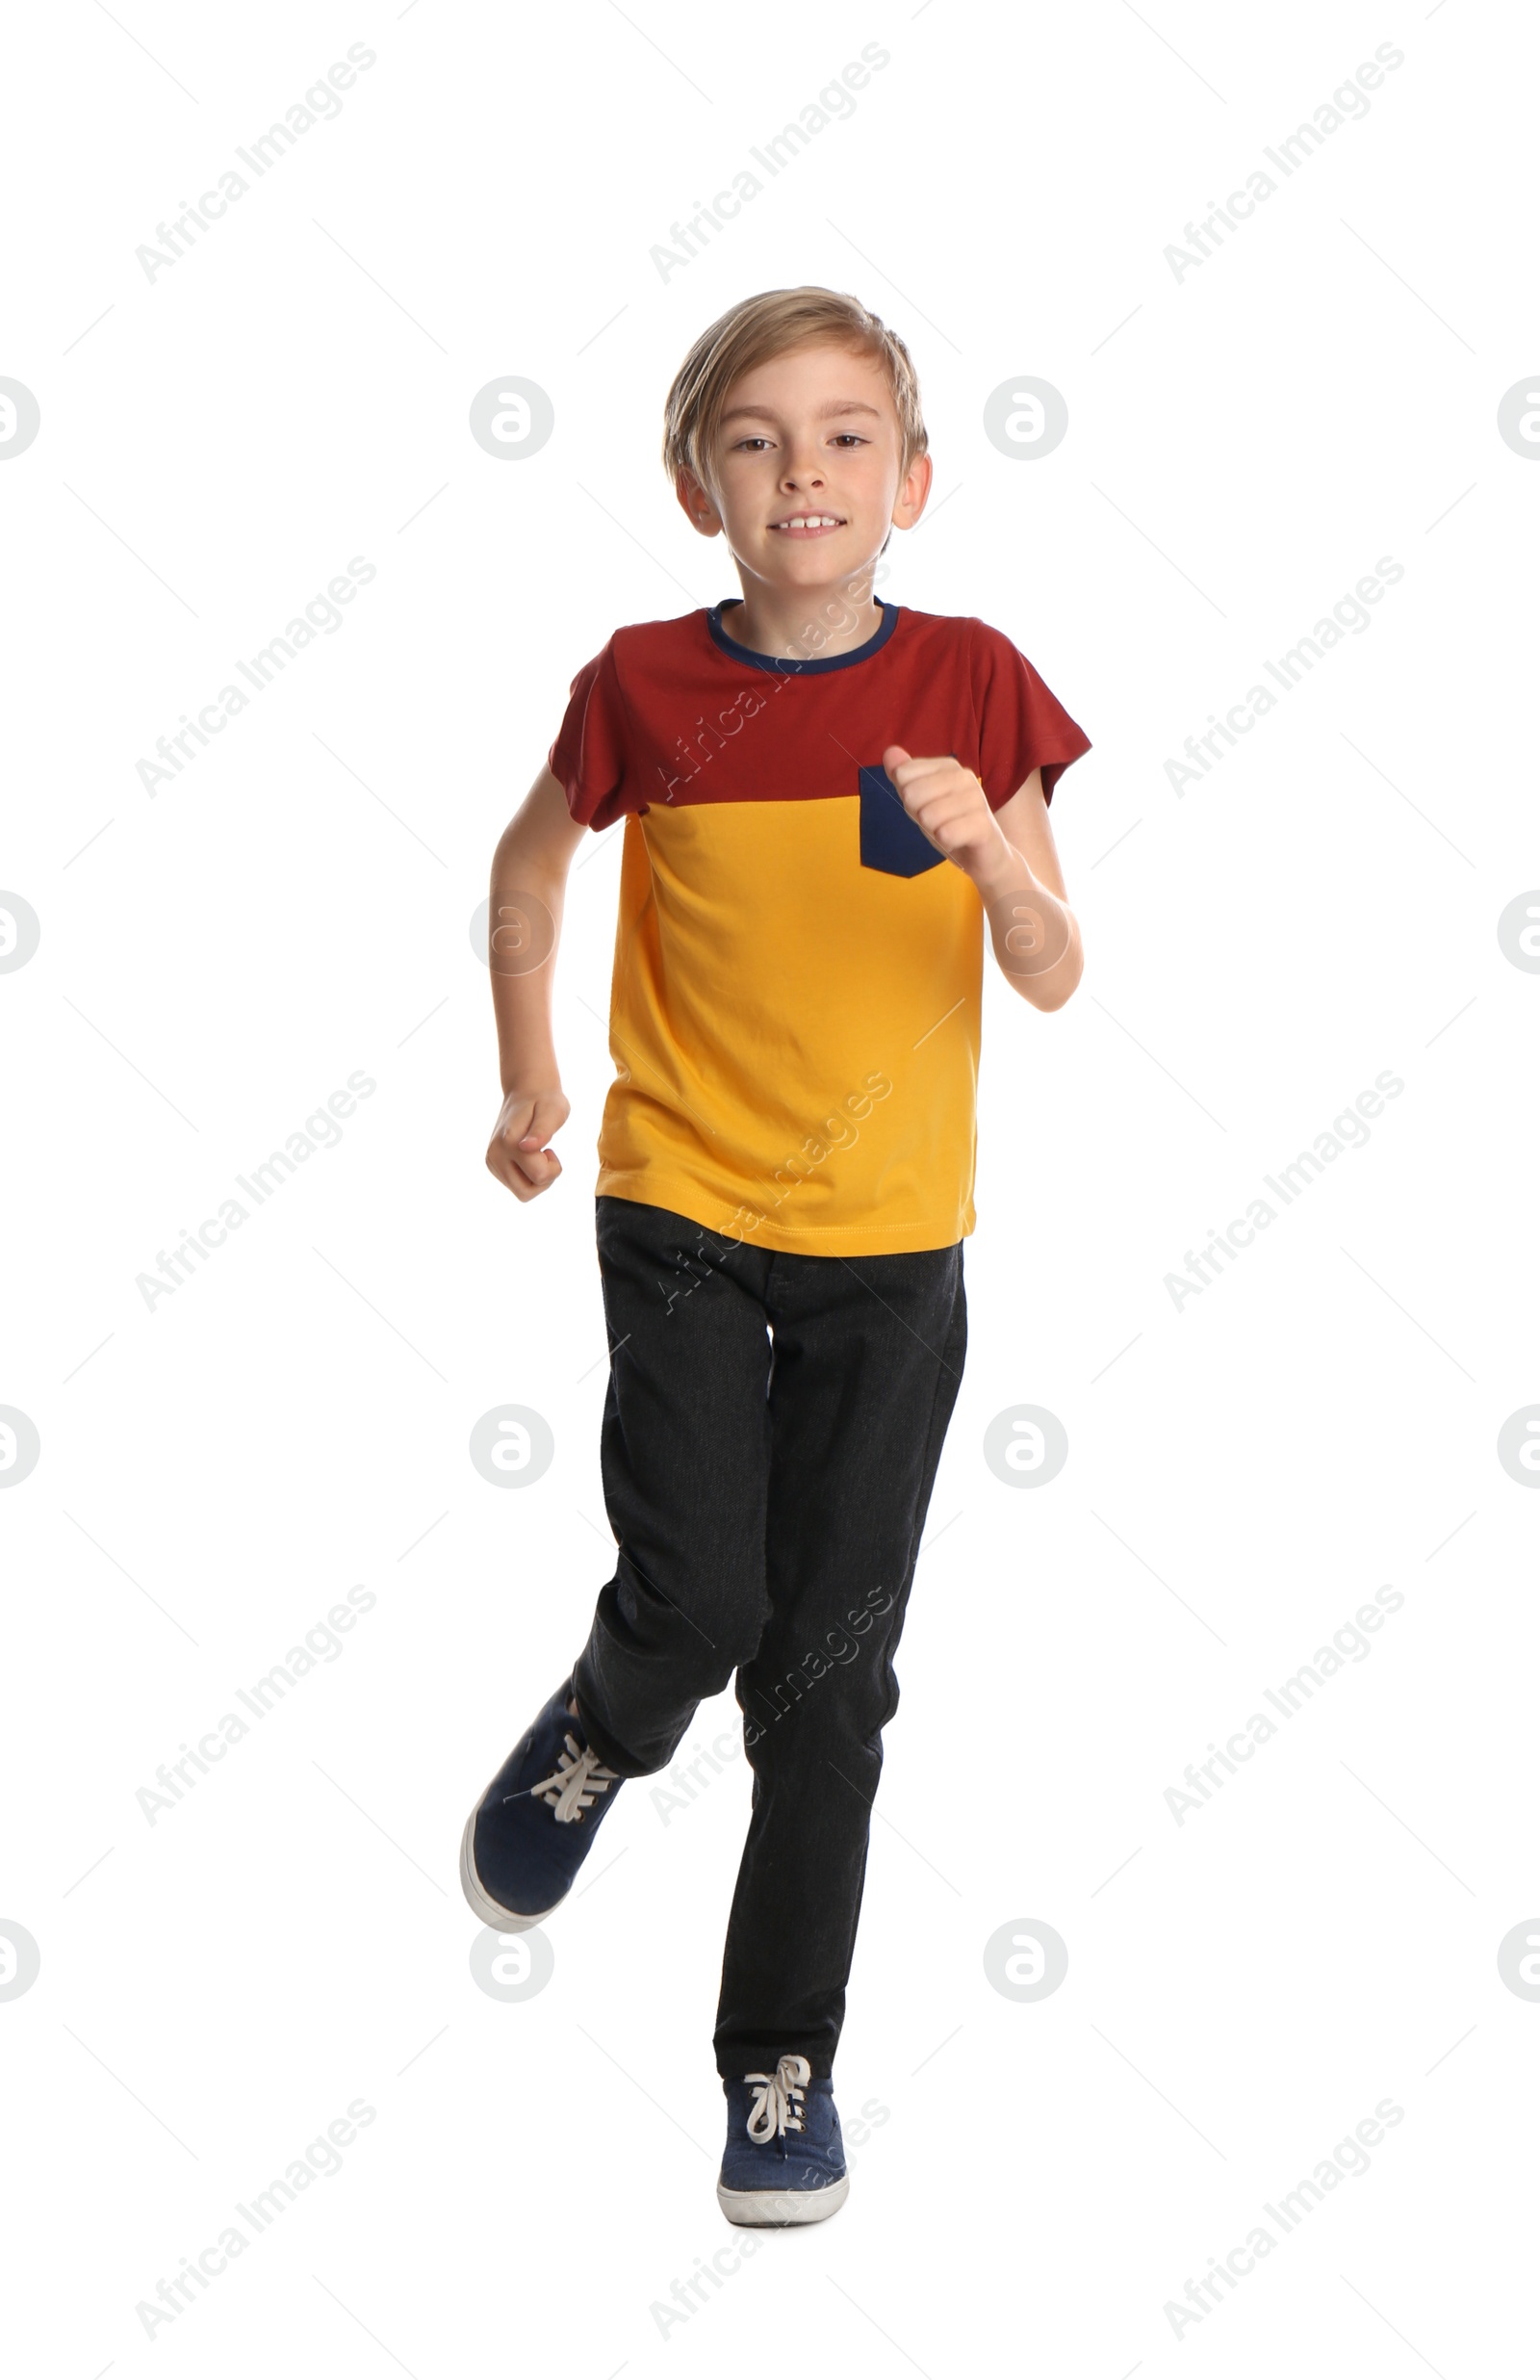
pixel 806 623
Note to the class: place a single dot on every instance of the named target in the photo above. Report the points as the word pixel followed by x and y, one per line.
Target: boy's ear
pixel 912 493
pixel 697 504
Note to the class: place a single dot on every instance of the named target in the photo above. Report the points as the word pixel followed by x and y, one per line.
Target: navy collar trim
pixel 790 666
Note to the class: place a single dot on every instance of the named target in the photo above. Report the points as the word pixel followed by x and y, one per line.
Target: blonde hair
pixel 756 330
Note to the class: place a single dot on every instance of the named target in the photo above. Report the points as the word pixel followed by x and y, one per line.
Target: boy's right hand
pixel 517 1153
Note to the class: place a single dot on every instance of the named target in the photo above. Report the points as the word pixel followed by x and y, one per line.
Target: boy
pixel 824 798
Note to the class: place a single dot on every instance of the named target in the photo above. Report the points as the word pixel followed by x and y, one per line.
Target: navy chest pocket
pixel 889 839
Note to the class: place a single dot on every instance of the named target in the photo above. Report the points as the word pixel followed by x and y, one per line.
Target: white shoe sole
pixel 779 2206
pixel 489 1911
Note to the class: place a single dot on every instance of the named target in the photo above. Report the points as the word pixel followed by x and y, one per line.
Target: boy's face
pixel 814 432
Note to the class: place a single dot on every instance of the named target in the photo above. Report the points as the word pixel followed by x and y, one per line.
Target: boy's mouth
pixel 809 524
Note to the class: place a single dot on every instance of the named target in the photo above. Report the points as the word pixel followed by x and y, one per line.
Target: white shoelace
pixel 581 1776
pixel 778 2099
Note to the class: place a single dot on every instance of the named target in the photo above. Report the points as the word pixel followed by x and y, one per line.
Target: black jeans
pixel 770 1440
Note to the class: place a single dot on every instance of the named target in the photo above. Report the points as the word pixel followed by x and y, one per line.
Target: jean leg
pixel 869 1357
pixel 685 1453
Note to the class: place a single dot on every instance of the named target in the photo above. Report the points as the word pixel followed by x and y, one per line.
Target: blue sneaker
pixel 785 2160
pixel 517 1860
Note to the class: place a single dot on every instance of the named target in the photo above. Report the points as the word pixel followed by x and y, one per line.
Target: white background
pixel 1244 1471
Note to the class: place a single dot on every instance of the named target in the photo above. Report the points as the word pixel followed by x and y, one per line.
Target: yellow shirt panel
pixel 796 1035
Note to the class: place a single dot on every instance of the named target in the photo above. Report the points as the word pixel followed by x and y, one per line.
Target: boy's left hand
pixel 949 806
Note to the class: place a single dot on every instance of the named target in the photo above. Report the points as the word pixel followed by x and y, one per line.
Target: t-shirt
pixel 795 1009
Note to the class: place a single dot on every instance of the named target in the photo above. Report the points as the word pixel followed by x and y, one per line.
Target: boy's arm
pixel 528 881
pixel 1010 855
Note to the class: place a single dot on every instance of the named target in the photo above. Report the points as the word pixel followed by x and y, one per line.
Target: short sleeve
pixel 589 756
pixel 1021 726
